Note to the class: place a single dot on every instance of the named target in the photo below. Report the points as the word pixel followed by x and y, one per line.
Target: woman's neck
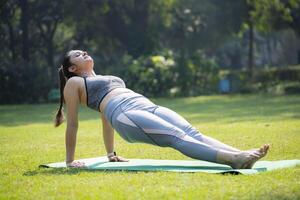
pixel 88 74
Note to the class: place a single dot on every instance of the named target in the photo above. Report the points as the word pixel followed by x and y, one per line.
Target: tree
pixel 271 15
pixel 8 36
pixel 46 18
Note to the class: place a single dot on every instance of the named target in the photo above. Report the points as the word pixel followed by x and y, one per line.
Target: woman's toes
pixel 267 147
pixel 255 154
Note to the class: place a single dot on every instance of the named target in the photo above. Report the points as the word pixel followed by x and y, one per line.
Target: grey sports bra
pixel 97 87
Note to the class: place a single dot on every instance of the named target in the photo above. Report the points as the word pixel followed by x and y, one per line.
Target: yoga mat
pixel 101 163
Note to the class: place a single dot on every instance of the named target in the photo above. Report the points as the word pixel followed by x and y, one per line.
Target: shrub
pixel 152 75
pixel 164 74
pixel 271 80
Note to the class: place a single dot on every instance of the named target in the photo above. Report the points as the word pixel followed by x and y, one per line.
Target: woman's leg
pixel 178 121
pixel 144 126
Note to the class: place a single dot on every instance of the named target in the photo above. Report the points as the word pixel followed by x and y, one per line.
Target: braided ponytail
pixel 59 118
pixel 64 75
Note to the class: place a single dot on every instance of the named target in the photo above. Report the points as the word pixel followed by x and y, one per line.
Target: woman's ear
pixel 72 68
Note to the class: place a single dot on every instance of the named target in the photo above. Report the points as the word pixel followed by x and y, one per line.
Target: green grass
pixel 27 139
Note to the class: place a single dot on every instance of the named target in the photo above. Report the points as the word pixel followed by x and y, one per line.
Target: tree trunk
pixel 269 50
pixel 251 48
pixel 52 69
pixel 12 43
pixel 24 27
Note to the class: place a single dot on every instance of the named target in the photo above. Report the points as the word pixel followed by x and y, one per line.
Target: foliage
pixel 20 84
pixel 35 35
pixel 150 75
pixel 269 80
pixel 274 14
pixel 199 76
pixel 162 75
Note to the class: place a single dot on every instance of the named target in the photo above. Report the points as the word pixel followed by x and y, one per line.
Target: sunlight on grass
pixel 27 139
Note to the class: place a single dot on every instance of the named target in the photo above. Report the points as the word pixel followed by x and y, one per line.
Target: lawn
pixel 28 139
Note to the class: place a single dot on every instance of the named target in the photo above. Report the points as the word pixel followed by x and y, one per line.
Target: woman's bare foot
pixel 246 159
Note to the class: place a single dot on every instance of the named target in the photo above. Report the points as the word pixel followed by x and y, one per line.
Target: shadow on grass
pixel 203 109
pixel 69 171
pixel 73 171
pixel 16 115
pixel 92 168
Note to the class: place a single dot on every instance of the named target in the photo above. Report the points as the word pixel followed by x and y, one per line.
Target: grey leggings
pixel 137 119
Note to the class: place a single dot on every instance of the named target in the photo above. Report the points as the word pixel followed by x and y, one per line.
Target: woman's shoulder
pixel 74 81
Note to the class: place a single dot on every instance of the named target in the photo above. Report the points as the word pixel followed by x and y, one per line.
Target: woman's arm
pixel 108 137
pixel 71 95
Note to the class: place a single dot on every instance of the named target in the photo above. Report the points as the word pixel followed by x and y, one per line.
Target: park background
pixel 159 47
pixel 230 67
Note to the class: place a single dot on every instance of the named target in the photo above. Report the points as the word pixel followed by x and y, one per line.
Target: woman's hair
pixel 64 75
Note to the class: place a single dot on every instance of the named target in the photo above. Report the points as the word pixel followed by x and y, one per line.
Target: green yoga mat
pixel 101 163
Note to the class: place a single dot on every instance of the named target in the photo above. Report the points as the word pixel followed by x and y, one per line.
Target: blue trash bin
pixel 224 86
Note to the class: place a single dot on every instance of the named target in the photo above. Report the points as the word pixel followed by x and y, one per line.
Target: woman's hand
pixel 76 164
pixel 117 159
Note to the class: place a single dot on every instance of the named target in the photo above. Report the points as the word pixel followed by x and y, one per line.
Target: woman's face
pixel 82 61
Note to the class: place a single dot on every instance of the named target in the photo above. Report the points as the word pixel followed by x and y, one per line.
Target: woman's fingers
pixel 121 159
pixel 113 159
pixel 76 164
pixel 117 159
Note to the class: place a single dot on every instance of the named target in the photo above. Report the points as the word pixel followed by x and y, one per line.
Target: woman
pixel 134 117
